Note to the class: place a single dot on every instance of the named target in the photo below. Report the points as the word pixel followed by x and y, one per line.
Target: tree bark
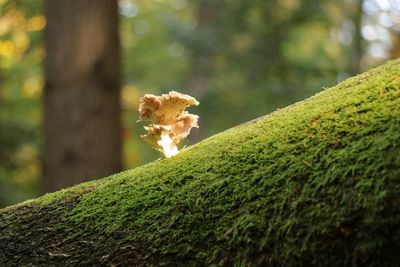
pixel 81 95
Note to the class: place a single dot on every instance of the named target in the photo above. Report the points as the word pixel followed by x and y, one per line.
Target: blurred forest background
pixel 240 58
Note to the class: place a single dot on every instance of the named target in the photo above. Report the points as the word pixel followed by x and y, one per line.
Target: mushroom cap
pixel 170 119
pixel 148 104
pixel 181 128
pixel 165 108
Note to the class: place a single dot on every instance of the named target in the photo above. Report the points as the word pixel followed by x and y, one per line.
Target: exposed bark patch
pixel 40 236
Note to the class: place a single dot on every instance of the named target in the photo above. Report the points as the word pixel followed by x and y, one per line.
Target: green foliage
pixel 21 82
pixel 17 156
pixel 314 183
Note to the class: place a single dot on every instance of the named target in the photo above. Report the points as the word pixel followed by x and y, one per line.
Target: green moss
pixel 294 186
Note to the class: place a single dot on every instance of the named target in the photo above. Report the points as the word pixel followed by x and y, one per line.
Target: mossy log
pixel 313 184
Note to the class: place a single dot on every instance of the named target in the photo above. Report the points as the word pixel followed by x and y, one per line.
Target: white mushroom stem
pixel 169 149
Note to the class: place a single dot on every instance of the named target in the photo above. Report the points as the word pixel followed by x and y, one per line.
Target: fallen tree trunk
pixel 316 183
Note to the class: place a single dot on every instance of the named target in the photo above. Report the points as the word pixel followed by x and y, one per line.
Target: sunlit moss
pixel 303 184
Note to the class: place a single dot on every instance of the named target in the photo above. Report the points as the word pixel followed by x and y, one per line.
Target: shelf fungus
pixel 170 122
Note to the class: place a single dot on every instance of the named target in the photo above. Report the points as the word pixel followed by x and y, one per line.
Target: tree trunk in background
pixel 358 50
pixel 203 56
pixel 81 96
pixel 395 51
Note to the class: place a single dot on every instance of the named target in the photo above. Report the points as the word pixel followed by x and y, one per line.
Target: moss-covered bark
pixel 317 183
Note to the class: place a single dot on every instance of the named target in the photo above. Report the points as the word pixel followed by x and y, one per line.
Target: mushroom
pixel 170 121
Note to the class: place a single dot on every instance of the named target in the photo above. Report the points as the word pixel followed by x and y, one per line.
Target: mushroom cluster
pixel 170 122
